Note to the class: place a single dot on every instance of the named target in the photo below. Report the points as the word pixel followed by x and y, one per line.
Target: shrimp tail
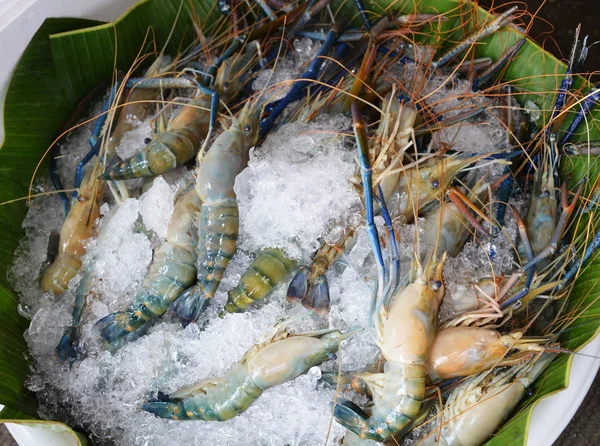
pixel 117 325
pixel 313 292
pixel 172 410
pixel 65 349
pixel 351 416
pixel 317 296
pixel 190 304
pixel 134 167
pixel 298 287
pixel 217 238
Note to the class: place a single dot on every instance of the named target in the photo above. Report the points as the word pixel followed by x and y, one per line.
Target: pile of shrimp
pixel 306 233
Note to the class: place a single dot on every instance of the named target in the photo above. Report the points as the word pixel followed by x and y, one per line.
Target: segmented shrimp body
pixel 172 271
pixel 218 225
pixel 281 359
pixel 79 226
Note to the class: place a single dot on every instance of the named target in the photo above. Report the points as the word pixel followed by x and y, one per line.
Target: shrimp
pixel 268 269
pixel 465 351
pixel 218 224
pixel 310 285
pixel 281 359
pixel 67 347
pixel 405 334
pixel 78 227
pixel 475 410
pixel 450 225
pixel 185 131
pixel 421 186
pixel 455 351
pixel 140 104
pixel 172 271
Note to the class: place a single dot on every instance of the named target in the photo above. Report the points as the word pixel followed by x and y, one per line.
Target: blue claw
pixel 363 14
pixel 392 235
pixel 58 185
pixel 95 139
pixel 589 252
pixel 576 61
pixel 506 188
pixel 588 104
pixel 298 87
pixel 365 171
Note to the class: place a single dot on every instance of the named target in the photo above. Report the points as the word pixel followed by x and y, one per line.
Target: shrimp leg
pixel 589 103
pixel 484 78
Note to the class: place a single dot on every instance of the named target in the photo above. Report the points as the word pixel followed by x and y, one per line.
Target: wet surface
pixel 565 15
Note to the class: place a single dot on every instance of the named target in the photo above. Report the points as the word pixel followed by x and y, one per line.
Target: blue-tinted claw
pixel 589 252
pixel 506 188
pixel 298 287
pixel 95 139
pixel 58 185
pixel 317 297
pixel 297 90
pixel 576 60
pixel 189 305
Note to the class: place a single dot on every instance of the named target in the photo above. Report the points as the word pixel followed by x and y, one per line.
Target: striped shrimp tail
pixel 190 304
pixel 268 269
pixel 217 239
pixel 163 154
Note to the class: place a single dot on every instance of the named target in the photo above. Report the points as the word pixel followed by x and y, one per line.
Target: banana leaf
pixel 64 61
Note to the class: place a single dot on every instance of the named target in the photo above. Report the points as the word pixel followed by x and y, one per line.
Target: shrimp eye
pixel 147 140
pixel 546 194
pixel 226 85
pixel 435 284
pixel 247 129
pixel 435 184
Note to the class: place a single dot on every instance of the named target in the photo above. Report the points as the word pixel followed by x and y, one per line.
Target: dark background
pixel 553 27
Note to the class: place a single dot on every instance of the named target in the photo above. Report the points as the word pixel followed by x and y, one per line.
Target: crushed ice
pixel 295 190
